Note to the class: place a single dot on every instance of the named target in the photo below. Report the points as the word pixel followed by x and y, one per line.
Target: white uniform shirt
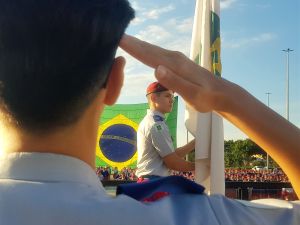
pixel 153 143
pixel 51 189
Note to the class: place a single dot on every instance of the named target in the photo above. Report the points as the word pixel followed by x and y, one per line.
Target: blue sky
pixel 253 33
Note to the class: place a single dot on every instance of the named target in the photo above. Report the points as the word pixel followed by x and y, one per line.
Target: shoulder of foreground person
pixel 186 199
pixel 192 209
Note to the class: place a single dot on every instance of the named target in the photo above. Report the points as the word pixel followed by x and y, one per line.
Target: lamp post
pixel 287 81
pixel 268 94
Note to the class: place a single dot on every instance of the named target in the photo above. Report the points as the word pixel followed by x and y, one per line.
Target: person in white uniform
pixel 58 71
pixel 156 153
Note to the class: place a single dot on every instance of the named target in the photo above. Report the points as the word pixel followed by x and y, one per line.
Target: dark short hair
pixel 55 56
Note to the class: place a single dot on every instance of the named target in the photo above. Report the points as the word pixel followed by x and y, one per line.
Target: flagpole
pixel 287 82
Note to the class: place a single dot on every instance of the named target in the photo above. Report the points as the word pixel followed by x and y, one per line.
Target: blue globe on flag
pixel 118 142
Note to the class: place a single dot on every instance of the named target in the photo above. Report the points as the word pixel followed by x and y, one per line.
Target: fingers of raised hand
pixel 150 54
pixel 154 56
pixel 143 51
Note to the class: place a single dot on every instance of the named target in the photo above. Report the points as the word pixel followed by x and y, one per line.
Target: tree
pixel 241 154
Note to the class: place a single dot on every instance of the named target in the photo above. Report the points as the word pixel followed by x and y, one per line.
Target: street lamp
pixel 268 94
pixel 287 81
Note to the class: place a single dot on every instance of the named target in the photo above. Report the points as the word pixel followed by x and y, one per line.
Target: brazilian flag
pixel 116 141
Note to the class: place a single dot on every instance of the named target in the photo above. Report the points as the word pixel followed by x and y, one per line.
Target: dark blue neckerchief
pixel 173 185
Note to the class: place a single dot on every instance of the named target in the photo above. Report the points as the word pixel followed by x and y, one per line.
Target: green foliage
pixel 238 153
pixel 241 154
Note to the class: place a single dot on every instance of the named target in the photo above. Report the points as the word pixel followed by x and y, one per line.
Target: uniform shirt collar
pixel 155 112
pixel 47 167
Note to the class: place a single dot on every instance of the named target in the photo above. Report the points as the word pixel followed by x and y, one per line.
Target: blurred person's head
pixel 57 72
pixel 55 58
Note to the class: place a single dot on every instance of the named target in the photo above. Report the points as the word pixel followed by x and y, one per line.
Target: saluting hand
pixel 174 70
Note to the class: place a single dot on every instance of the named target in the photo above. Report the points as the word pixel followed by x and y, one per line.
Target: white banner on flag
pixel 207 128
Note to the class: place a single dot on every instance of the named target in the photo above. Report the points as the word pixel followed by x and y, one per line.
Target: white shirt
pixel 153 143
pixel 51 189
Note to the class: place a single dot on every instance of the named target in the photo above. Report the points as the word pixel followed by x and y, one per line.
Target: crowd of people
pixel 252 175
pixel 110 173
pixel 231 174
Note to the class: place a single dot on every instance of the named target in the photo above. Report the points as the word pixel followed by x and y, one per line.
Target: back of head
pixel 55 56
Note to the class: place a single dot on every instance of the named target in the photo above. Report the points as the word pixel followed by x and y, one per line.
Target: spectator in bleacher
pixel 106 173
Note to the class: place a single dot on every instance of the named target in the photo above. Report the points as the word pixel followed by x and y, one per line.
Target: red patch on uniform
pixel 156 196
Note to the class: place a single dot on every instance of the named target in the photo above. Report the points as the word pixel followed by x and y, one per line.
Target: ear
pixel 115 81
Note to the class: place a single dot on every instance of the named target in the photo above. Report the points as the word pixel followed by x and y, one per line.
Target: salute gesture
pixel 205 92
